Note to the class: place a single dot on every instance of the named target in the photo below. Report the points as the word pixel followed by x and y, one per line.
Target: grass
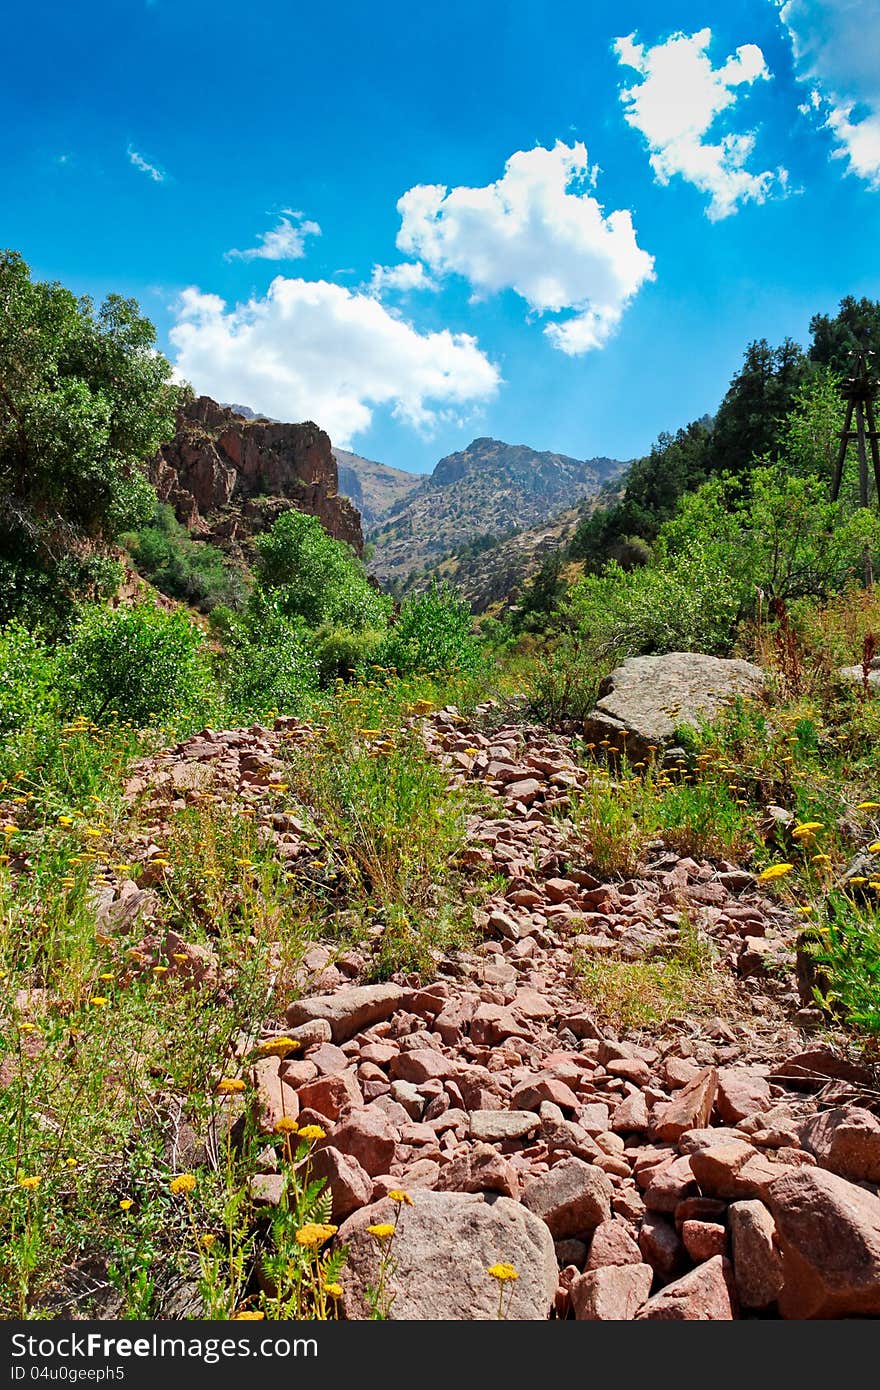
pixel 684 980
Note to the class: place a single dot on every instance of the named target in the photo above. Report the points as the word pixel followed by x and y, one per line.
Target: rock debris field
pixel 716 1168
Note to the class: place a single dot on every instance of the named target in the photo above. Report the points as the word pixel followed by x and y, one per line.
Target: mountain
pixel 228 477
pixel 485 492
pixel 374 488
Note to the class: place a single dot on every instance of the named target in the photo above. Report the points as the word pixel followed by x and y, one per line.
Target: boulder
pixel 444 1245
pixel 613 1293
pixel 757 1267
pixel 704 1295
pixel 348 1011
pixel 573 1198
pixel 846 1141
pixel 829 1238
pixel 644 701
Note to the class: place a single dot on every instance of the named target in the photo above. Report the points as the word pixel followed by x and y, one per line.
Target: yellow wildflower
pixel 126 1204
pixel 334 1290
pixel 874 848
pixel 820 859
pixel 30 1184
pixel 774 871
pixel 207 1240
pixel 99 1000
pixel 402 1198
pixel 184 1182
pixel 383 1231
pixel 807 830
pixel 314 1233
pixel 278 1047
pixel 312 1133
pixel 248 1315
pixel 229 1086
pixel 286 1125
pixel 502 1272
pixel 868 806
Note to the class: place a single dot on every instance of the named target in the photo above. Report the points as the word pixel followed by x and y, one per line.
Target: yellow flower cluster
pixel 314 1233
pixel 502 1272
pixel 184 1182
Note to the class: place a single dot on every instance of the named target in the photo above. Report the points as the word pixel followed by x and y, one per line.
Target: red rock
pixel 733 1171
pixel 369 1136
pixel 594 1118
pixel 757 1265
pixel 492 1023
pixel 703 1239
pixel 531 1004
pixel 741 1093
pixel 661 1248
pixel 351 1186
pixel 272 1098
pixel 329 1059
pixel 704 1295
pixel 531 1094
pixel 678 1072
pixel 573 1198
pixel 559 890
pixel 480 1169
pixel 526 791
pixel 613 1293
pixel 670 1185
pixel 331 1095
pixel 296 1073
pixel 846 1141
pixel 690 1108
pixel 421 1064
pixel 631 1115
pixel 348 1011
pixel 828 1231
pixel 630 1069
pixel 612 1244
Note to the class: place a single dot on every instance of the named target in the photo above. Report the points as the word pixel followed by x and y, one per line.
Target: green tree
pixel 84 400
pixel 309 575
pixel 434 632
pixel 751 417
pixel 855 325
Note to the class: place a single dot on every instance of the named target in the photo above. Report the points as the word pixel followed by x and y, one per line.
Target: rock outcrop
pixel 644 701
pixel 227 477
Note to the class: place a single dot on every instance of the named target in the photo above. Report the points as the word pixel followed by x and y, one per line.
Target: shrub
pixel 27 675
pixel 269 663
pixel 341 653
pixel 310 576
pixel 139 664
pixel 434 632
pixel 193 571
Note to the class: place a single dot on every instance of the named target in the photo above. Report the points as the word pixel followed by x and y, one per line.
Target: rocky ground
pixel 719 1168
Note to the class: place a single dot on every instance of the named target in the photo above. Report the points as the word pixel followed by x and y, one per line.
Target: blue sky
pixel 595 206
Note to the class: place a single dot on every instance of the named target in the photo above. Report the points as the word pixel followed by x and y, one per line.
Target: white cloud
pixel 151 170
pixel 286 242
pixel 539 231
pixel 676 105
pixel 402 278
pixel 836 45
pixel 313 350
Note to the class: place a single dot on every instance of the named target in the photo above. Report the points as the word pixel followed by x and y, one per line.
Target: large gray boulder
pixel 644 701
pixel 444 1245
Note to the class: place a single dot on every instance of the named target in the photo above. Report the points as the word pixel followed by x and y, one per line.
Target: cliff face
pixel 227 477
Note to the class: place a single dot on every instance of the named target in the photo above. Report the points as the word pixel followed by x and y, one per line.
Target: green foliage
pixel 269 664
pixel 140 664
pixel 192 571
pixel 312 577
pixel 855 325
pixel 542 596
pixel 750 419
pixel 84 400
pixel 434 632
pixel 341 652
pixel 846 947
pixel 27 677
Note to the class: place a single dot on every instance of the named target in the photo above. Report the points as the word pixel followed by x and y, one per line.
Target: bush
pixel 434 632
pixel 342 653
pixel 27 676
pixel 139 664
pixel 310 576
pixel 193 571
pixel 269 664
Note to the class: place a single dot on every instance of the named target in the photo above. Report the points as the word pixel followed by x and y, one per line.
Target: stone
pixel 613 1293
pixel 421 1064
pixel 703 1239
pixel 573 1198
pixel 631 1115
pixel 670 1185
pixel 660 1245
pixel 369 1136
pixel 757 1266
pixel 409 1098
pixel 531 1094
pixel 331 1095
pixel 689 1108
pixel 741 1093
pixel 644 701
pixel 348 1181
pixel 348 1011
pixel 705 1295
pixel 317 1030
pixel 494 1126
pixel 272 1099
pixel 612 1244
pixel 846 1141
pixel 828 1232
pixel 444 1244
pixel 733 1170
pixel 267 1189
pixel 480 1169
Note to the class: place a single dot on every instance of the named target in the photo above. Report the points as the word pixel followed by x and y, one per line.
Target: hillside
pixel 373 487
pixel 487 490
